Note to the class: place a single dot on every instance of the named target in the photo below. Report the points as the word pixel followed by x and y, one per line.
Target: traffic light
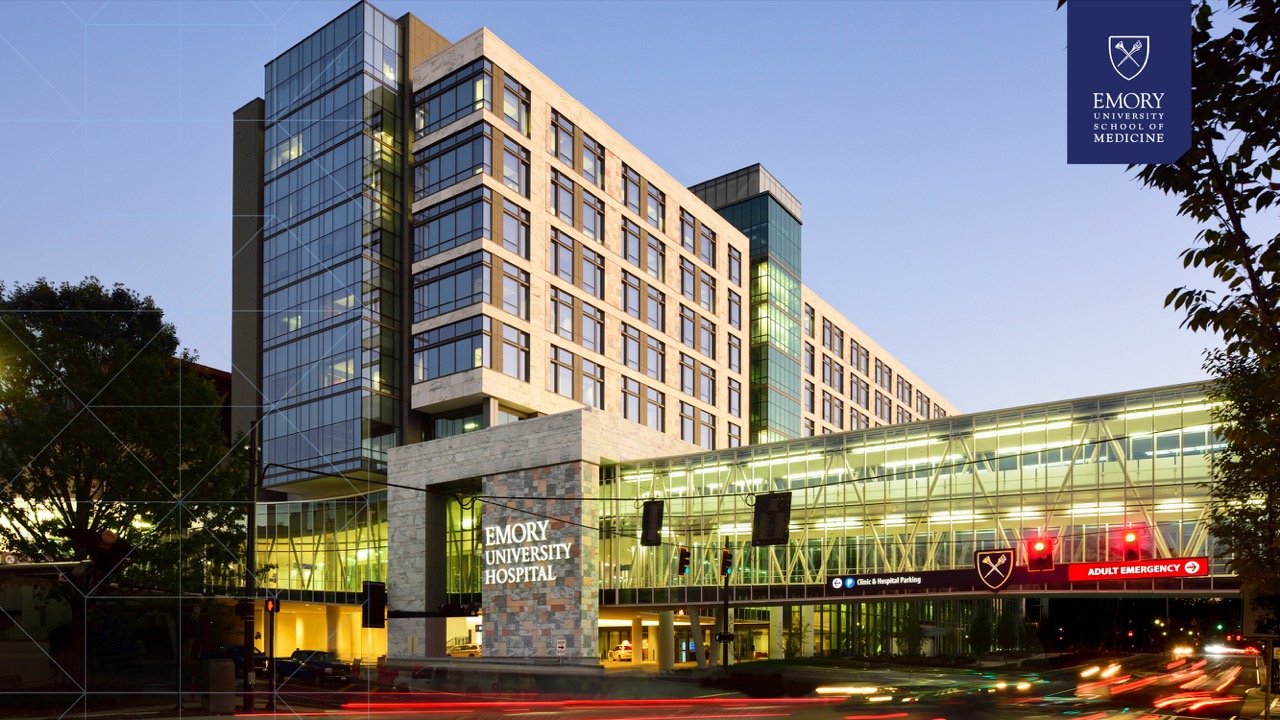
pixel 1040 554
pixel 651 524
pixel 682 562
pixel 726 562
pixel 373 605
pixel 1129 542
pixel 272 605
pixel 771 522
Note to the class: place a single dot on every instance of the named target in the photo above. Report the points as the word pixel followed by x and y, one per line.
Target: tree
pixel 106 425
pixel 980 629
pixel 1009 626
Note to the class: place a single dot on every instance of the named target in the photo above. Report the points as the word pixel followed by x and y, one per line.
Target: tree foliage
pixel 106 424
pixel 980 635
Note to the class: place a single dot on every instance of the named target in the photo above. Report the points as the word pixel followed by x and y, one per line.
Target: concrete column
pixel 775 633
pixel 333 628
pixel 733 646
pixel 713 652
pixel 637 639
pixel 806 624
pixel 695 632
pixel 666 640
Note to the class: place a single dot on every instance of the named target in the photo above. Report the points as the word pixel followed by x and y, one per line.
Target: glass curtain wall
pixel 323 547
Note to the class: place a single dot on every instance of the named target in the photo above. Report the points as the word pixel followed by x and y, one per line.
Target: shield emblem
pixel 1129 54
pixel 994 567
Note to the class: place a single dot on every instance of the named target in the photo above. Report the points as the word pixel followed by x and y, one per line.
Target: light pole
pixel 250 569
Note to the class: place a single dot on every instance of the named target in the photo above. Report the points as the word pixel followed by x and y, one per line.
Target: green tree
pixel 980 629
pixel 106 424
pixel 1009 627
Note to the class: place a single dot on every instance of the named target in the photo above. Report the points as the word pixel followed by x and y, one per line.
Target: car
pixel 463 650
pixel 620 652
pixel 314 666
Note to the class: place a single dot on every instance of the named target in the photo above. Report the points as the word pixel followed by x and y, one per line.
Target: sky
pixel 926 141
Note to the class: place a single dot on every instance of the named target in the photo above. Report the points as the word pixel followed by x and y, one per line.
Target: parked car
pixel 464 650
pixel 235 653
pixel 313 666
pixel 620 652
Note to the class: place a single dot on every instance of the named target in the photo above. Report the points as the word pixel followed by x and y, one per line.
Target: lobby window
pixel 860 357
pixel 656 309
pixel 515 228
pixel 922 405
pixel 515 167
pixel 630 294
pixel 656 263
pixel 706 430
pixel 808 320
pixel 561 313
pixel 735 398
pixel 707 291
pixel 688 232
pixel 706 384
pixel 631 189
pixel 655 359
pixel 562 255
pixel 809 394
pixel 688 423
pixel 451 160
pixel 561 196
pixel 735 436
pixel 688 327
pixel 655 409
pixel 592 217
pixel 688 375
pixel 904 390
pixel 735 353
pixel 630 400
pixel 515 353
pixel 450 286
pixel 657 208
pixel 451 223
pixel 560 379
pixel 688 279
pixel 707 248
pixel 592 328
pixel 884 376
pixel 562 138
pixel 707 338
pixel 593 272
pixel 452 97
pixel 593 161
pixel 735 267
pixel 592 384
pixel 631 242
pixel 515 291
pixel 630 347
pixel 452 348
pixel 808 358
pixel 735 309
pixel 515 105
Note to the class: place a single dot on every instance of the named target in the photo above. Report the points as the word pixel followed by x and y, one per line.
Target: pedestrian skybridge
pixel 1110 479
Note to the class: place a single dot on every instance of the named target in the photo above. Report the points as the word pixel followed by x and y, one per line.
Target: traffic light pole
pixel 250 561
pixel 724 626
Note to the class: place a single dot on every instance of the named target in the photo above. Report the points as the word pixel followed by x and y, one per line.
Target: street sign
pixel 560 646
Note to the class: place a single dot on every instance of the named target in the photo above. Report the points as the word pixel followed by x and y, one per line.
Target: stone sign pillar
pixel 540 563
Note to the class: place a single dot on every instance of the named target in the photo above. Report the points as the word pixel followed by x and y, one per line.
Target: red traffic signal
pixel 1130 545
pixel 272 605
pixel 1040 554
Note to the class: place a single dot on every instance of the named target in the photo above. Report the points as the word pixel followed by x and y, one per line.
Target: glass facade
pixel 926 495
pixel 334 193
pixel 323 547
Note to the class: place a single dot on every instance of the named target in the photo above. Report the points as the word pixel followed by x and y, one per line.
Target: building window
pixel 656 263
pixel 858 421
pixel 707 291
pixel 515 353
pixel 592 384
pixel 735 267
pixel 452 160
pixel 837 412
pixel 631 189
pixel 688 279
pixel 904 390
pixel 707 249
pixel 860 357
pixel 515 291
pixel 707 338
pixel 808 320
pixel 808 358
pixel 593 161
pixel 884 376
pixel 656 309
pixel 593 217
pixel 515 228
pixel 657 208
pixel 561 313
pixel 938 412
pixel 630 294
pixel 808 428
pixel 861 392
pixel 452 348
pixel 735 310
pixel 562 196
pixel 451 223
pixel 735 436
pixel 809 394
pixel 826 406
pixel 688 375
pixel 450 286
pixel 560 379
pixel 706 430
pixel 631 400
pixel 562 138
pixel 592 272
pixel 688 232
pixel 735 398
pixel 922 405
pixel 837 377
pixel 826 333
pixel 452 97
pixel 706 384
pixel 515 167
pixel 688 423
pixel 904 415
pixel 688 327
pixel 630 347
pixel 592 328
pixel 655 359
pixel 562 255
pixel 884 407
pixel 655 409
pixel 515 105
pixel 631 242
pixel 735 353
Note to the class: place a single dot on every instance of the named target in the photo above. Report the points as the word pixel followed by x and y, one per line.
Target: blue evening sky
pixel 926 141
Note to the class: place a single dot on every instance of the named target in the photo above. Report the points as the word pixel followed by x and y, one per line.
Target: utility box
pixel 218 685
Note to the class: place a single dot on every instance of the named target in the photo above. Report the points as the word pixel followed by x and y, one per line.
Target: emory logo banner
pixel 1128 81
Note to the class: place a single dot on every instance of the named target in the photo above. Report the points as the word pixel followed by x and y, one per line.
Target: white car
pixel 469 650
pixel 620 652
